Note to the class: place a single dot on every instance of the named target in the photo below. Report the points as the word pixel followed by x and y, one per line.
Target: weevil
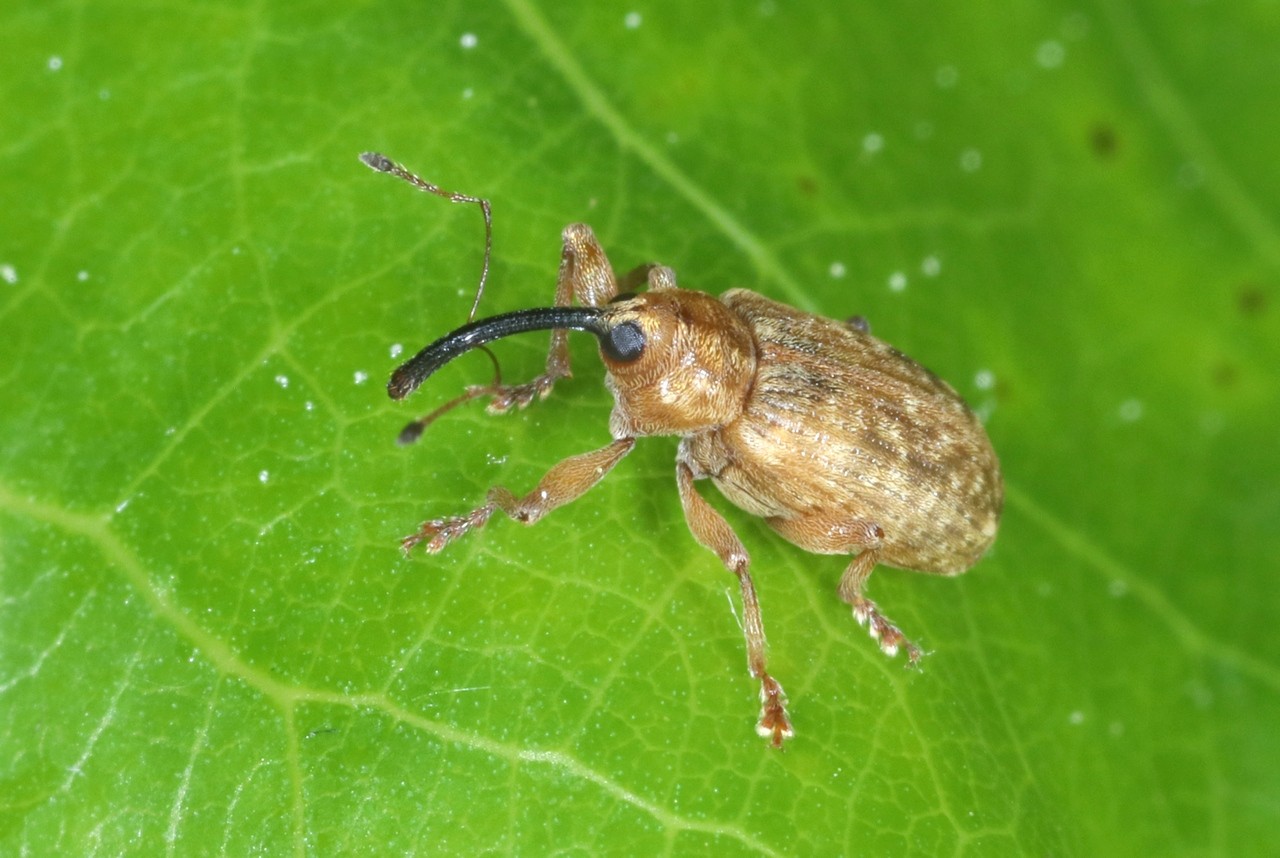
pixel 841 443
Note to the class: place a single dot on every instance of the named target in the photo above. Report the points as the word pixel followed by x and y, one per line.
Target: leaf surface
pixel 209 641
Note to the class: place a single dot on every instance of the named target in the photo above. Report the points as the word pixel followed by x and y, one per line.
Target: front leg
pixel 564 483
pixel 712 531
pixel 585 276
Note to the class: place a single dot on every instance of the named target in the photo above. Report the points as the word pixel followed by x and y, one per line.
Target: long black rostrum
pixel 413 372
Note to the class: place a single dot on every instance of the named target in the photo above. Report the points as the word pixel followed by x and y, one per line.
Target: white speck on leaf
pixel 897 281
pixel 985 379
pixel 872 143
pixel 837 270
pixel 468 41
pixel 1050 54
pixel 82 276
pixel 361 376
pixel 632 20
pixel 1130 410
pixel 396 350
pixel 263 476
pixel 970 160
pixel 55 63
pixel 282 380
pixel 930 266
pixel 946 76
pixel 8 273
pixel 1076 717
pixel 467 93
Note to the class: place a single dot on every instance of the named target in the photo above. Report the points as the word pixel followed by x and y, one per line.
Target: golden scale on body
pixel 841 443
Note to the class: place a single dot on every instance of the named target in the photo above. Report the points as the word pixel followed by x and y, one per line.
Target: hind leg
pixel 842 537
pixel 865 611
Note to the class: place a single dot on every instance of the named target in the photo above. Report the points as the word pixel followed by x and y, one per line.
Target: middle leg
pixel 712 531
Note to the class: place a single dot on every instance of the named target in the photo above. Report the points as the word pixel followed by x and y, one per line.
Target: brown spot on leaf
pixel 1225 375
pixel 1252 300
pixel 1104 141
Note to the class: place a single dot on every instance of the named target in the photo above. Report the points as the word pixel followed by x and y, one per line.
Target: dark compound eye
pixel 624 342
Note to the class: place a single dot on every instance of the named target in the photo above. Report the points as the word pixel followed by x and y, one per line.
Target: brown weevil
pixel 841 443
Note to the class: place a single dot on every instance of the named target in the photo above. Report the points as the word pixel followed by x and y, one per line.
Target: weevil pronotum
pixel 841 443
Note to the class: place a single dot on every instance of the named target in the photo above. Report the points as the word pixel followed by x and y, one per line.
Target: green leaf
pixel 209 640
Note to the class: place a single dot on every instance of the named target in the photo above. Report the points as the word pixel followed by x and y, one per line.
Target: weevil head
pixel 679 362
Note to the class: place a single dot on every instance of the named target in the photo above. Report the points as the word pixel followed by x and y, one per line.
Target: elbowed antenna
pixel 413 372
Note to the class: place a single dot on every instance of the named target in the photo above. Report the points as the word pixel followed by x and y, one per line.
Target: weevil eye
pixel 623 342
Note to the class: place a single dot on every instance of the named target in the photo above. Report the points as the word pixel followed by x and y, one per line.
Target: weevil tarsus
pixel 865 611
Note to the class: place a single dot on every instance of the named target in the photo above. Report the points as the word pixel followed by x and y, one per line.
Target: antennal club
pixel 414 429
pixel 383 164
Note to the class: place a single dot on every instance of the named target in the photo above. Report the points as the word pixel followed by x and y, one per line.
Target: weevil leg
pixel 865 611
pixel 859 324
pixel 636 277
pixel 651 274
pixel 712 531
pixel 585 276
pixel 564 483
